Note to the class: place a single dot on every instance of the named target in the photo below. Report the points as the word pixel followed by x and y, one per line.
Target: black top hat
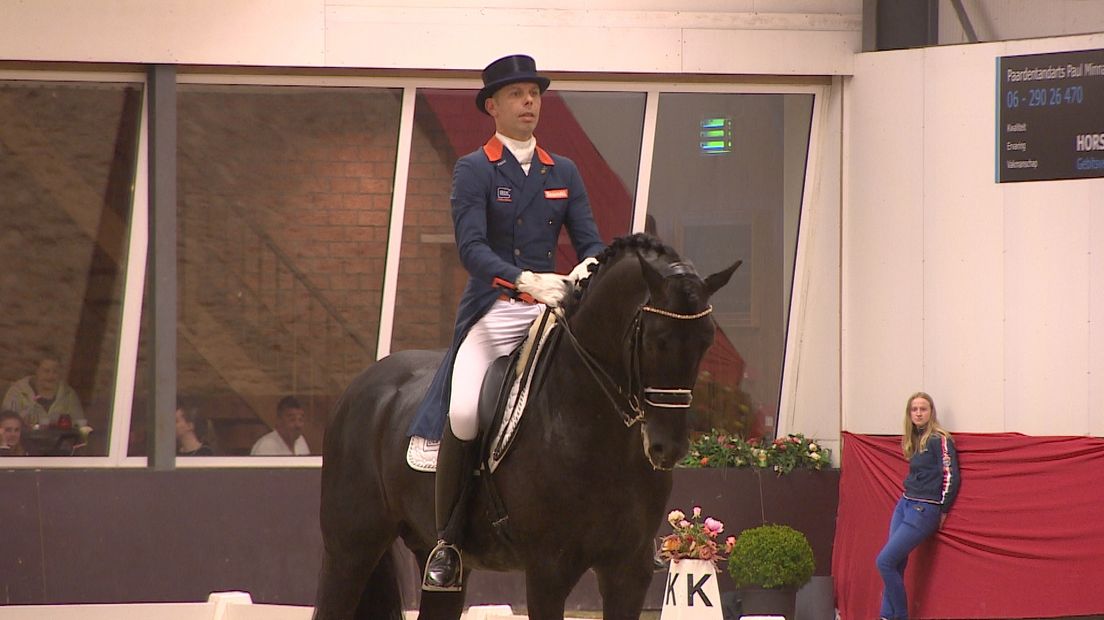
pixel 508 70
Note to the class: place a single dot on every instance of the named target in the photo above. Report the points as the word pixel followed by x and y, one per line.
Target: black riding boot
pixel 444 571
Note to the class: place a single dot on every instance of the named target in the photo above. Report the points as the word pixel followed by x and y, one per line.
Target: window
pixel 285 197
pixel 67 168
pixel 726 184
pixel 284 204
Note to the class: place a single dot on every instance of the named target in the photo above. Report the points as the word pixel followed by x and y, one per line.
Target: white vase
pixel 691 592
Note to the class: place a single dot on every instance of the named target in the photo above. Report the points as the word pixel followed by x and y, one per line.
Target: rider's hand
pixel 547 288
pixel 582 270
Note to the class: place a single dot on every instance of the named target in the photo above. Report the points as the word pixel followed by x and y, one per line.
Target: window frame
pixel 821 88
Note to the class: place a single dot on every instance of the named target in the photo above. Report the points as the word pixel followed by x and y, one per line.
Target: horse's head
pixel 663 305
pixel 676 329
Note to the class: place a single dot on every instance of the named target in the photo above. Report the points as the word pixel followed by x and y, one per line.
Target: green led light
pixel 715 135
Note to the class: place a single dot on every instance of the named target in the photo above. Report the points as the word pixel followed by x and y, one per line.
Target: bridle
pixel 628 406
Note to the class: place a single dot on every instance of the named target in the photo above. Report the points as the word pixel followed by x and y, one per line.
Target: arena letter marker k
pixel 692 588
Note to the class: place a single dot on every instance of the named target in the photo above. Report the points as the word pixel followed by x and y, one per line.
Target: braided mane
pixel 639 243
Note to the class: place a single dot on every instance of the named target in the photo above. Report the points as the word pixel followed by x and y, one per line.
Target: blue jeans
pixel 912 523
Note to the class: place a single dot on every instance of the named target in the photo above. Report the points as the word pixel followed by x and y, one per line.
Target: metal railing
pixel 236 280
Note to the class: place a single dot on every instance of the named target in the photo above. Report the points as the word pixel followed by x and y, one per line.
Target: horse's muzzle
pixel 662 453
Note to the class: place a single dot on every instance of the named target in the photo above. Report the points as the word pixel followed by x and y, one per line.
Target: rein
pixel 666 398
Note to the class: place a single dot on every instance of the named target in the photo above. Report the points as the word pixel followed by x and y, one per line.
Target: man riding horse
pixel 510 198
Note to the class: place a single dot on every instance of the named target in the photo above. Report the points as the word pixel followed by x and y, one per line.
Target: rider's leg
pixel 456 460
pixel 496 334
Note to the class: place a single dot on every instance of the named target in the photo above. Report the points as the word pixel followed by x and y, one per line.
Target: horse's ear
pixel 714 282
pixel 652 277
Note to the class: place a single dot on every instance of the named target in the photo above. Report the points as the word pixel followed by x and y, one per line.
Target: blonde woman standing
pixel 930 490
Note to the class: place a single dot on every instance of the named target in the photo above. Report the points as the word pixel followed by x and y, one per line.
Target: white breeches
pixel 496 334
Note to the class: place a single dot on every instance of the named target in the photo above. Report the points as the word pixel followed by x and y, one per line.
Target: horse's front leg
pixel 624 585
pixel 441 605
pixel 547 587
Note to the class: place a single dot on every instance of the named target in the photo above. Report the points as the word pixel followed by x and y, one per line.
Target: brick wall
pixel 285 198
pixel 430 276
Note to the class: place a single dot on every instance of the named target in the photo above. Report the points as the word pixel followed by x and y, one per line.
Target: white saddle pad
pixel 421 454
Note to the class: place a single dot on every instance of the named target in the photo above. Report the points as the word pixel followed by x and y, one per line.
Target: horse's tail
pixel 382 595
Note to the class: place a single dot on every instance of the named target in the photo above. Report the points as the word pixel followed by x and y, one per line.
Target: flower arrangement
pixel 694 538
pixel 783 455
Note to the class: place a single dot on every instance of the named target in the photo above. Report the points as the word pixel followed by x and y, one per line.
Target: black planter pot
pixel 768 602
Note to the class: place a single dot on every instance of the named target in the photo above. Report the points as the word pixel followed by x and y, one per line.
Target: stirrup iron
pixel 457 585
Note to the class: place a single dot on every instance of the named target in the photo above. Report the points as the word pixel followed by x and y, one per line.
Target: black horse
pixel 586 483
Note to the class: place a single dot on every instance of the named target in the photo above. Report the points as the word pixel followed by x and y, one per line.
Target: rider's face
pixel 515 109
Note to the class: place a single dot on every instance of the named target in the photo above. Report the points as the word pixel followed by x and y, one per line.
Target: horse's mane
pixel 638 243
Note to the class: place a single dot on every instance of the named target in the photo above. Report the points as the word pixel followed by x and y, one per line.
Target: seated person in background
pixel 11 434
pixel 287 439
pixel 192 430
pixel 43 397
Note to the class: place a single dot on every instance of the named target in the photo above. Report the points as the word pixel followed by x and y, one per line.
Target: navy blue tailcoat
pixel 506 222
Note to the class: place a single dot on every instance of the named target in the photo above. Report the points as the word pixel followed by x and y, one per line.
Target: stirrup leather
pixel 457 583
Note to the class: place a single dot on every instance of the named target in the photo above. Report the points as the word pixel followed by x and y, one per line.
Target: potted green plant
pixel 769 564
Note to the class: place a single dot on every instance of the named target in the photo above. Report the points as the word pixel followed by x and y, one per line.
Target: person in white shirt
pixel 287 439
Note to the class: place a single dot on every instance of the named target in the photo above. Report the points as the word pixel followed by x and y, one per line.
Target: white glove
pixel 547 288
pixel 582 270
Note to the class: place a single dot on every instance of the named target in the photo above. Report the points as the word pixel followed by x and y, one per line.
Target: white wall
pixel 811 373
pixel 789 37
pixel 982 294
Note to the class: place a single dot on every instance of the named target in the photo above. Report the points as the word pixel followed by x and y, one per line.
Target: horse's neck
pixel 605 314
pixel 588 418
pixel 600 326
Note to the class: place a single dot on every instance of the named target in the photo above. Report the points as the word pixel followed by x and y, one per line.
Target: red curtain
pixel 1024 539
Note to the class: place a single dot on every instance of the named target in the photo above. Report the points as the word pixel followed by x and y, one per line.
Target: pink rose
pixel 714 526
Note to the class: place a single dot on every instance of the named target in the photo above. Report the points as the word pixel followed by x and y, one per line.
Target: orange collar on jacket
pixel 493 150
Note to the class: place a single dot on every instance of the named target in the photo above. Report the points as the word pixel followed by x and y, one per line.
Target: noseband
pixel 628 405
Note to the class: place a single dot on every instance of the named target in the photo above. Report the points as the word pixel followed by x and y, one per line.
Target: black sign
pixel 1050 123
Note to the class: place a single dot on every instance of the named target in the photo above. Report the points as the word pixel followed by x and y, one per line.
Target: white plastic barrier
pixel 132 611
pixel 489 612
pixel 219 606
